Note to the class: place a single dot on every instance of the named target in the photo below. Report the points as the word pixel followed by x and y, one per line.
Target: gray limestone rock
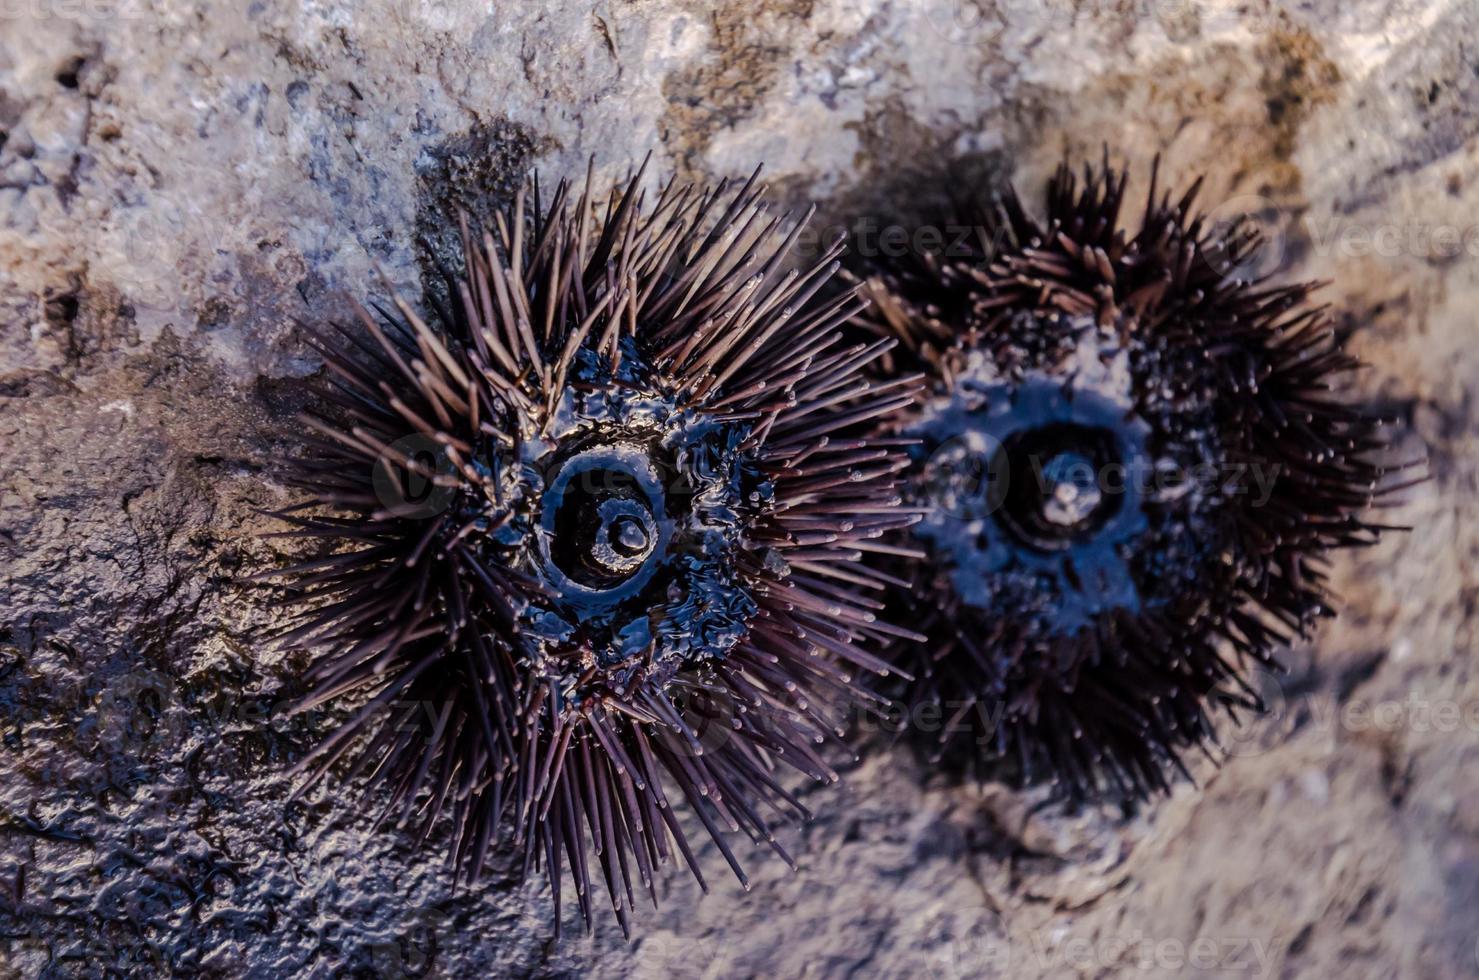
pixel 181 182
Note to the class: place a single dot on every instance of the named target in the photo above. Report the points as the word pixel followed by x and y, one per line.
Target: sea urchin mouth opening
pixel 635 517
pixel 603 530
pixel 1027 496
pixel 1065 504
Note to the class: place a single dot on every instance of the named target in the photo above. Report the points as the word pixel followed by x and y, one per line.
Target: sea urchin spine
pixel 632 563
pixel 1132 464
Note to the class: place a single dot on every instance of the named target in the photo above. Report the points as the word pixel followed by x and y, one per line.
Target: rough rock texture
pixel 179 183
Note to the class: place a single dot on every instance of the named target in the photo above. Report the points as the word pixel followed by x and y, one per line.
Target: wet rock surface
pixel 179 184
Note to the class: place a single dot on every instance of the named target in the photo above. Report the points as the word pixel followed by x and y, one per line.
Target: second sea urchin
pixel 598 534
pixel 1132 464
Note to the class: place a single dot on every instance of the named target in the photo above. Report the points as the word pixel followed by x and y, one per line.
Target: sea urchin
pixel 597 534
pixel 1131 465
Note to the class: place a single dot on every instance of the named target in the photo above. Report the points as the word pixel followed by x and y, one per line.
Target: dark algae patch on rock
pixel 477 171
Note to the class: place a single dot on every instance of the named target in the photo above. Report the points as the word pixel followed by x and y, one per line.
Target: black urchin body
pixel 632 560
pixel 1132 464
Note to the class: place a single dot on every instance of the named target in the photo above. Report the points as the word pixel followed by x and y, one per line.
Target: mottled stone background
pixel 179 182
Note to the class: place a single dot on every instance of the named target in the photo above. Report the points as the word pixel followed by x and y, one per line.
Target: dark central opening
pixel 1059 491
pixel 604 528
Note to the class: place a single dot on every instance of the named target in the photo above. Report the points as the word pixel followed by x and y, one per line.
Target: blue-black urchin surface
pixel 591 536
pixel 1132 464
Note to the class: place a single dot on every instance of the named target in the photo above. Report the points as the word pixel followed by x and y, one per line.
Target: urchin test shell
pixel 1131 465
pixel 601 516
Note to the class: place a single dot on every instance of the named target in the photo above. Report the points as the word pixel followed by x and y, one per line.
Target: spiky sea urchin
pixel 597 534
pixel 1132 463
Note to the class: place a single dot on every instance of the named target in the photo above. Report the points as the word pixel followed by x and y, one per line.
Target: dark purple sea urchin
pixel 1132 464
pixel 594 535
